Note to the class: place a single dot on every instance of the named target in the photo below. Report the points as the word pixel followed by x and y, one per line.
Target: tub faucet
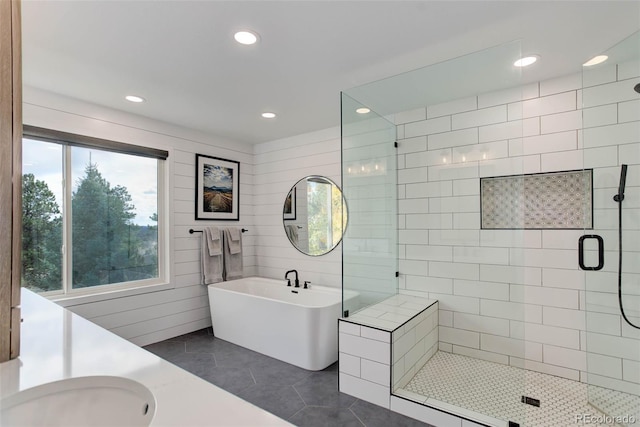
pixel 297 282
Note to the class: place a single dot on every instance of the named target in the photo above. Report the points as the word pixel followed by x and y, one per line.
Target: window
pixel 325 221
pixel 92 214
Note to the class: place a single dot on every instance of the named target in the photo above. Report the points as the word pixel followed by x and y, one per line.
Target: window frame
pixel 67 295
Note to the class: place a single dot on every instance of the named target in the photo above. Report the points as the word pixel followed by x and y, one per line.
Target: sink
pixel 82 401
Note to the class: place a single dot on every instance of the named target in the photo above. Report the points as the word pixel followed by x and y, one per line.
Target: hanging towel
pixel 214 243
pixel 235 242
pixel 232 253
pixel 292 232
pixel 212 263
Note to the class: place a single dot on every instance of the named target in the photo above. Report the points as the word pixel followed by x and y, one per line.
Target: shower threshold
pixel 494 394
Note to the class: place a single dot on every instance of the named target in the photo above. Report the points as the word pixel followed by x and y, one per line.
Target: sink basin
pixel 83 401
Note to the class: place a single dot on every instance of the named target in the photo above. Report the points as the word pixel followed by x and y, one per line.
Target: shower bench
pixel 382 347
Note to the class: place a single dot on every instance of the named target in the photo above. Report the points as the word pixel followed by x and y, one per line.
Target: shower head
pixel 623 180
pixel 637 88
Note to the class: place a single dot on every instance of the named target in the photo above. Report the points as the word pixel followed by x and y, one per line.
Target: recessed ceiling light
pixel 269 115
pixel 595 60
pixel 134 98
pixel 246 37
pixel 526 61
pixel 363 110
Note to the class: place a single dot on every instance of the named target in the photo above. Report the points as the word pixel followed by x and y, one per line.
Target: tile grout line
pixel 300 396
pixel 355 415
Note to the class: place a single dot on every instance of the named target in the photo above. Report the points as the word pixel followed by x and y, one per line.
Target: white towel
pixel 213 240
pixel 232 260
pixel 212 265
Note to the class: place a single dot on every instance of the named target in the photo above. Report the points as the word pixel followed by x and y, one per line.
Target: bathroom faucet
pixel 297 282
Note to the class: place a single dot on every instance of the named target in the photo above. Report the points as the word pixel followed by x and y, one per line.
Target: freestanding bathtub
pixel 295 325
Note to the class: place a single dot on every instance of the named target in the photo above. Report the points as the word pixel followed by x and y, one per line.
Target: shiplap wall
pixel 152 317
pixel 278 166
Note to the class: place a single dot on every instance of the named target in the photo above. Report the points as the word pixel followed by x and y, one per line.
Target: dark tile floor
pixel 304 398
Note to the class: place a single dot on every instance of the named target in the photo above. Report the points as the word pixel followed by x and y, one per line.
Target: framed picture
pixel 217 188
pixel 289 210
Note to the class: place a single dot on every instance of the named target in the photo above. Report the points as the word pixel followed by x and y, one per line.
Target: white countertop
pixel 57 344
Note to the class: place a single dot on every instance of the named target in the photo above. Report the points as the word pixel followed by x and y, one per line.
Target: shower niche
pixel 468 194
pixel 552 200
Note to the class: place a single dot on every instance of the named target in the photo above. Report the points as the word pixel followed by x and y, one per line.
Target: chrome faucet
pixel 297 282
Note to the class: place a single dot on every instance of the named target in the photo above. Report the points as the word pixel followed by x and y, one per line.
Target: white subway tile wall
pixel 518 297
pixel 365 365
pixel 413 345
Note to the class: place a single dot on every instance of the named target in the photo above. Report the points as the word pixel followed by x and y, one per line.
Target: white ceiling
pixel 181 56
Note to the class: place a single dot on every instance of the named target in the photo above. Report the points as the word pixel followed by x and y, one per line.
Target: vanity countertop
pixel 57 344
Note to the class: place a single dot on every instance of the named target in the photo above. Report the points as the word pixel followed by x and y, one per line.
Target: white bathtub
pixel 295 325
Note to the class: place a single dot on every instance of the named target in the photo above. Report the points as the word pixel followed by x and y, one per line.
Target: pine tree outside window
pixel 92 217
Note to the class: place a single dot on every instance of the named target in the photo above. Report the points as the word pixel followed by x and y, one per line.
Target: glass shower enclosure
pixel 479 206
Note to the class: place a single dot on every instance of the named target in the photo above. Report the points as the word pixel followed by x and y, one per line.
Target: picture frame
pixel 289 209
pixel 217 189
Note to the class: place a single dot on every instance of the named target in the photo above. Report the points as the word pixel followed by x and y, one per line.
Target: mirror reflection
pixel 314 215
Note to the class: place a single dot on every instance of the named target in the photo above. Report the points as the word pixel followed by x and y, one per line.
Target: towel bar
pixel 191 231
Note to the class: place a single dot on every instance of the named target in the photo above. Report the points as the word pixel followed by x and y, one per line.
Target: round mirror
pixel 314 215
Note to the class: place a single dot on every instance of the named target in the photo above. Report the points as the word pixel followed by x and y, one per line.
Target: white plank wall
pixel 278 166
pixel 155 316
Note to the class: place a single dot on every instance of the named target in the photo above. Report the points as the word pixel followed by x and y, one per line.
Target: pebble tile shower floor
pixel 304 398
pixel 495 390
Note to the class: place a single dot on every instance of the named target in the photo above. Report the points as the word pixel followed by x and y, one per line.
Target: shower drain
pixel 530 401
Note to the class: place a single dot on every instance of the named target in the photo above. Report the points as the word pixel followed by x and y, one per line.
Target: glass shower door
pixel 369 185
pixel 611 143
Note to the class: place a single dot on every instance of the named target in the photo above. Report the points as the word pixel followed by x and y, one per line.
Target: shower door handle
pixel 600 252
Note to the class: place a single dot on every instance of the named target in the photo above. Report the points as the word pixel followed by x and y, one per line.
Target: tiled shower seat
pixel 383 346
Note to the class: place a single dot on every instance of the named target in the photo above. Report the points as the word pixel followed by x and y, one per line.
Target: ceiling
pixel 181 57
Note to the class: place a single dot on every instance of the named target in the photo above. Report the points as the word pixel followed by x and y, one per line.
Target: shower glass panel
pixel 456 122
pixel 611 139
pixel 369 185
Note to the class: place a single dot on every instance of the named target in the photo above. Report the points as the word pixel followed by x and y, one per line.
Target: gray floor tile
pixel 197 363
pixel 302 397
pixel 375 416
pixel 321 389
pixel 237 358
pixel 275 372
pixel 282 401
pixel 312 416
pixel 233 380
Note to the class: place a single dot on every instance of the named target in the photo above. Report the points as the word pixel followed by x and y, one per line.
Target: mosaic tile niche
pixel 554 200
